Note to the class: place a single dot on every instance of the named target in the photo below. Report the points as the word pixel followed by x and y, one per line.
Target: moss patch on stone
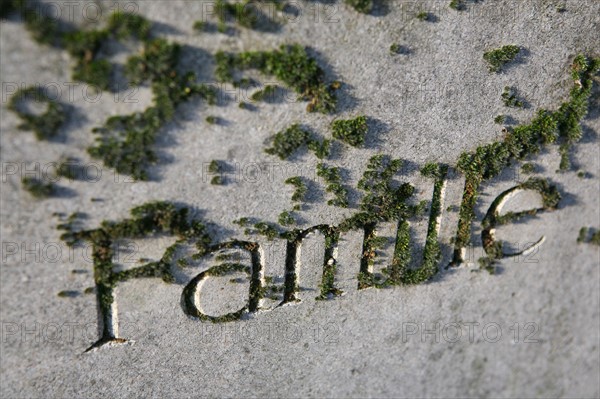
pixel 292 65
pixel 351 131
pixel 38 188
pixel 333 179
pixel 288 141
pixel 45 125
pixel 499 57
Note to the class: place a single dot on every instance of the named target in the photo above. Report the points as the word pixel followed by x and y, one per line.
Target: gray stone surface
pixel 429 105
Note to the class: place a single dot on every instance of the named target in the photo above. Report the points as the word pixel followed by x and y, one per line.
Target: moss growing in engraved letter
pixel 499 57
pixel 432 252
pixel 351 131
pixel 570 113
pixel 45 125
pixel 384 201
pixel 148 220
pixel 266 229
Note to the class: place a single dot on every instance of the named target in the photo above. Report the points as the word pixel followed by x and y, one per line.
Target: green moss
pixel 227 268
pixel 213 120
pixel 528 168
pixel 333 178
pixel 327 287
pixel 43 29
pixel 489 160
pixel 126 141
pixel 351 131
pixel 46 125
pixel 595 239
pixel 383 201
pixel 157 62
pixel 199 26
pixel 214 167
pixel 321 149
pixel 84 45
pixel 125 25
pixel 458 5
pixel 487 264
pixel 286 219
pixel 147 220
pixel 431 170
pixel 288 141
pixel 594 236
pixel 396 48
pixel 493 248
pixel 69 168
pixel 37 188
pixel 290 64
pixel 570 113
pixel 71 226
pixel 425 16
pixel 244 13
pixel 509 96
pixel 264 229
pixel 300 187
pixel 265 94
pixel 399 272
pixel 242 222
pixel 68 294
pixel 96 73
pixel 500 119
pixel 499 57
pixel 362 6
